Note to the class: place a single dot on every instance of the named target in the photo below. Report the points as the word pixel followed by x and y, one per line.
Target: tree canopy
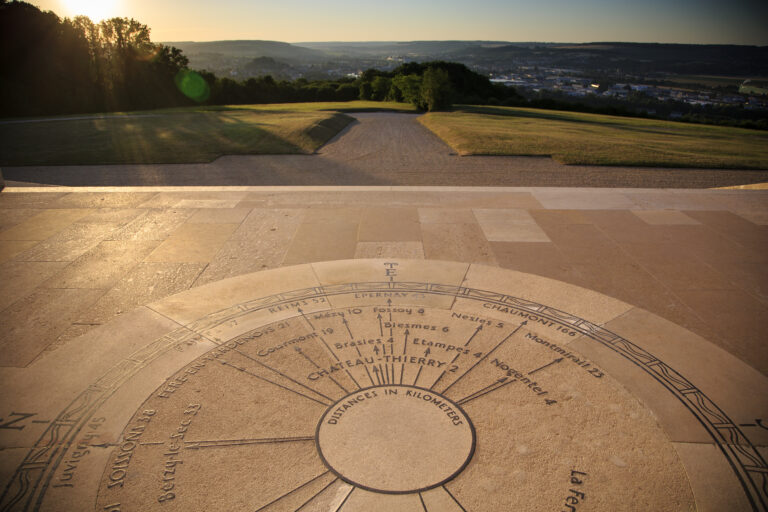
pixel 52 65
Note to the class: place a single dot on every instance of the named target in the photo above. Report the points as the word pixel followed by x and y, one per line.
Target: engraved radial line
pixel 369 374
pixel 360 354
pixel 484 391
pixel 417 376
pixel 274 383
pixel 384 373
pixel 454 499
pixel 343 502
pixel 346 324
pixel 317 494
pixel 292 491
pixel 339 360
pixel 422 503
pixel 479 328
pixel 307 319
pixel 484 357
pixel 283 375
pixel 405 349
pixel 559 359
pixel 318 367
pixel 196 445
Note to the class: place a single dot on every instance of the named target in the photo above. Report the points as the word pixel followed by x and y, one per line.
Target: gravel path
pixel 382 149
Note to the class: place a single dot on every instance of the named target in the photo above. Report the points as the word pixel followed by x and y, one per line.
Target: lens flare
pixel 192 85
pixel 96 10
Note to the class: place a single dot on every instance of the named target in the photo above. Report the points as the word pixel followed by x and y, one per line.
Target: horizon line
pixel 459 41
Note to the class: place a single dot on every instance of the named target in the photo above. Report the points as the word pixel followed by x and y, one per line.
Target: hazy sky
pixel 665 21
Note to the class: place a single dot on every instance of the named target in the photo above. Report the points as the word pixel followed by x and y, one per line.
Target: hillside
pixel 249 49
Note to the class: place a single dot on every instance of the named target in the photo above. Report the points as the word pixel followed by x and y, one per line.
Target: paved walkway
pixel 382 149
pixel 74 260
pixel 148 264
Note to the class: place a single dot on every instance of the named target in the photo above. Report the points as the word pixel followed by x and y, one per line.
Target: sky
pixel 574 21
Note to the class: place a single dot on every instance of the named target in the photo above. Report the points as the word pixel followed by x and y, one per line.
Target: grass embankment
pixel 186 135
pixel 590 139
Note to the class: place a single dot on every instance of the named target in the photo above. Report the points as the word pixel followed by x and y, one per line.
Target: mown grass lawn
pixel 183 135
pixel 591 139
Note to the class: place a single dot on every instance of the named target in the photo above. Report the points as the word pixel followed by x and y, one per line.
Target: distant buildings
pixel 564 82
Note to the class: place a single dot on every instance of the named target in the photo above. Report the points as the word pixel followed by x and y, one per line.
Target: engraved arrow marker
pixel 282 374
pixel 196 445
pixel 559 359
pixel 298 349
pixel 485 356
pixel 338 361
pixel 466 344
pixel 225 363
pixel 307 319
pixel 346 324
pixel 405 349
pixel 493 387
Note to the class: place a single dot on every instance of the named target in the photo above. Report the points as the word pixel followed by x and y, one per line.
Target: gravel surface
pixel 382 149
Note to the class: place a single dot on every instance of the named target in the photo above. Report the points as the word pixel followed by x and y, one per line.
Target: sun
pixel 96 10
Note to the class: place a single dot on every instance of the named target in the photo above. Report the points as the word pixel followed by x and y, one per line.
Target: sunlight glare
pixel 96 10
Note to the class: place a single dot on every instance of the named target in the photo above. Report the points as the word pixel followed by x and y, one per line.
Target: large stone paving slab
pixel 385 384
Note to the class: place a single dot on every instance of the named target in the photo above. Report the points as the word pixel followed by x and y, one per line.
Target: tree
pixel 436 92
pixel 347 92
pixel 366 91
pixel 409 88
pixel 380 88
pixel 44 63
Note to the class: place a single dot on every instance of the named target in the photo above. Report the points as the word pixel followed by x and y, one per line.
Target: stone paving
pixel 113 290
pixel 72 260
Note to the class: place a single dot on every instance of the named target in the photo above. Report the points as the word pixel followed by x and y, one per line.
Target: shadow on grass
pixel 187 138
pixel 363 110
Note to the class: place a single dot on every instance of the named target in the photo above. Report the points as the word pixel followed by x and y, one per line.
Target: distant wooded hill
pixel 240 49
pixel 641 58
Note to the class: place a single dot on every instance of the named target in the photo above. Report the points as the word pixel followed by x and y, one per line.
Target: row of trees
pixel 434 86
pixel 59 66
pixel 53 66
pixel 428 86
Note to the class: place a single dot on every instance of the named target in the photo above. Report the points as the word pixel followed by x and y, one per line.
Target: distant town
pixel 653 79
pixel 749 95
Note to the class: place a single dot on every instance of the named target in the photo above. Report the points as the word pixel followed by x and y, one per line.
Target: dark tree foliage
pixel 430 85
pixel 55 66
pixel 61 66
pixel 436 90
pixel 45 63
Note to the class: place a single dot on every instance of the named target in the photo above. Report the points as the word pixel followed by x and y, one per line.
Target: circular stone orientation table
pixel 382 385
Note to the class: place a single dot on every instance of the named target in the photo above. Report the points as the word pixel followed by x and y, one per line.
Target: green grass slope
pixel 183 136
pixel 591 139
